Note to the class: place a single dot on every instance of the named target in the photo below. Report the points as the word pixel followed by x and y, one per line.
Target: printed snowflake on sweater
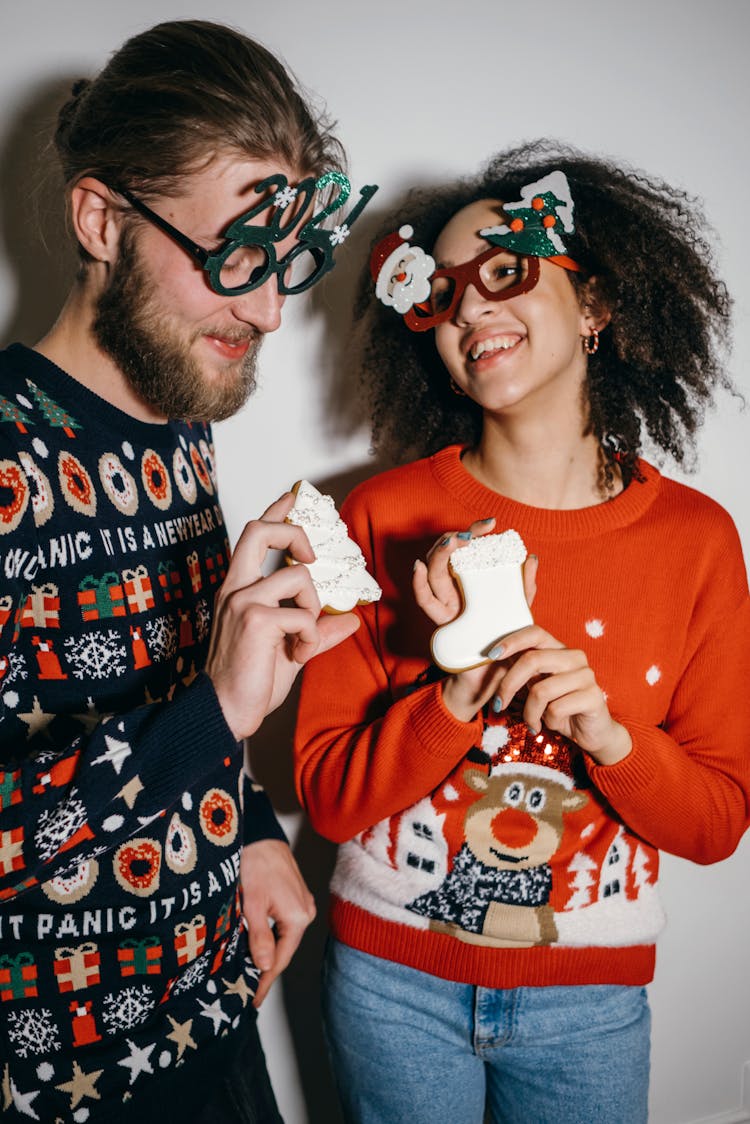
pixel 96 655
pixel 33 1031
pixel 50 756
pixel 81 860
pixel 58 825
pixel 125 1009
pixel 202 619
pixel 193 974
pixel 162 638
pixel 16 669
pixel 234 940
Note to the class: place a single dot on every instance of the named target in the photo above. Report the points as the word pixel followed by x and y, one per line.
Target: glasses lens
pixel 303 267
pixel 503 271
pixel 442 291
pixel 246 265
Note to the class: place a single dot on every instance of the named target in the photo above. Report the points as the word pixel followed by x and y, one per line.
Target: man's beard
pixel 144 343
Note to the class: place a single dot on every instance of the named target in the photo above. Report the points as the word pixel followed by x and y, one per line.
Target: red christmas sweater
pixel 652 586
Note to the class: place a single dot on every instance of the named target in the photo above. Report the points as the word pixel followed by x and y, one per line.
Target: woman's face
pixel 517 354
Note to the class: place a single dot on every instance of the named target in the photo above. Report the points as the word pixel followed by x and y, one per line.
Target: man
pixel 134 657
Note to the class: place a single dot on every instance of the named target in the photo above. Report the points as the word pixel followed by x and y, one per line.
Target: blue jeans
pixel 410 1048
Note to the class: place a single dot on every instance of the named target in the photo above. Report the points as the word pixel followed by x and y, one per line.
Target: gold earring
pixel 457 389
pixel 591 342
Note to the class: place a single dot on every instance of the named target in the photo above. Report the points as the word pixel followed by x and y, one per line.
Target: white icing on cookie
pixel 339 572
pixel 489 572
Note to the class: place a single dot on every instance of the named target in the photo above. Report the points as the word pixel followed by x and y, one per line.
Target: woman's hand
pixel 561 692
pixel 560 687
pixel 434 586
pixel 437 594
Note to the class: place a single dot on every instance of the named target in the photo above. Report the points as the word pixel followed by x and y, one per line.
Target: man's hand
pixel 273 890
pixel 266 628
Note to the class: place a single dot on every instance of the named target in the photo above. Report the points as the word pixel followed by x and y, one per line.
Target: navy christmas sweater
pixel 123 962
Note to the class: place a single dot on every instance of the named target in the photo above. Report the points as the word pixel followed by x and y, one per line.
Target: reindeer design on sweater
pixel 497 890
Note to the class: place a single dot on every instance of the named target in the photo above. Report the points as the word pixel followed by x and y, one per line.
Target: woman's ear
pixel 595 312
pixel 96 218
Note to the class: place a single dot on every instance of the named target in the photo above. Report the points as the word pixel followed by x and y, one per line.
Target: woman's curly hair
pixel 647 247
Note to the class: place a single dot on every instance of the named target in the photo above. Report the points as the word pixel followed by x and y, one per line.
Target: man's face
pixel 186 351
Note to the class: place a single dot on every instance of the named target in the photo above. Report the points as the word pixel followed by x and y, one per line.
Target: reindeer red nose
pixel 514 828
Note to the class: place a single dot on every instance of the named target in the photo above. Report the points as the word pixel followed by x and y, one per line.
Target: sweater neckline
pixel 578 523
pixel 79 398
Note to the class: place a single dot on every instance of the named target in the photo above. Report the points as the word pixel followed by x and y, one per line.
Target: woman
pixel 495 905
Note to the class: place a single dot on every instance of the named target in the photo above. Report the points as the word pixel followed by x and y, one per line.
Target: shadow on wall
pixel 38 249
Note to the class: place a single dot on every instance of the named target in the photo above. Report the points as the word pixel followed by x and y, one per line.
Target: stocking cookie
pixel 489 574
pixel 339 572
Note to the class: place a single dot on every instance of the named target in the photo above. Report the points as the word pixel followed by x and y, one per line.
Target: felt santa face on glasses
pixel 401 272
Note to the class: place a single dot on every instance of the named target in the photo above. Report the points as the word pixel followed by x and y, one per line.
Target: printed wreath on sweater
pixel 218 817
pixel 200 470
pixel 14 496
pixel 42 499
pixel 184 478
pixel 70 888
pixel 180 851
pixel 118 484
pixel 156 479
pixel 76 485
pixel 137 866
pixel 209 459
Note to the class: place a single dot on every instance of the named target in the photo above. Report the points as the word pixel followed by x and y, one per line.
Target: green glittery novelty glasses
pixel 247 256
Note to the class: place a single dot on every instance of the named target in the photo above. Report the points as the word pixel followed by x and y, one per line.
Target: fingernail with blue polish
pixel 496 652
pixel 445 541
pixel 463 535
pixel 532 731
pixel 497 704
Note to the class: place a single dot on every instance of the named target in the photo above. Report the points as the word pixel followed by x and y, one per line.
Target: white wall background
pixel 422 91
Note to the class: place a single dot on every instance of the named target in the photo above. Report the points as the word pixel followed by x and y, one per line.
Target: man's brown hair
pixel 173 96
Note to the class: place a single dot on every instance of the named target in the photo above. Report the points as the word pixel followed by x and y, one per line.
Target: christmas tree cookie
pixel 339 572
pixel 489 574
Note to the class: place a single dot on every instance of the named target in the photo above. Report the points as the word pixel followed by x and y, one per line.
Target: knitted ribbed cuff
pixel 636 771
pixel 184 739
pixel 259 819
pixel 438 730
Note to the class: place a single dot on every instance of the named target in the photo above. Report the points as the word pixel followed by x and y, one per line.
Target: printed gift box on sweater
pixel 190 939
pixel 215 565
pixel 138 589
pixel 6 608
pixel 42 607
pixel 77 967
pixel 169 580
pixel 11 850
pixel 140 958
pixel 224 921
pixel 18 977
pixel 102 597
pixel 194 569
